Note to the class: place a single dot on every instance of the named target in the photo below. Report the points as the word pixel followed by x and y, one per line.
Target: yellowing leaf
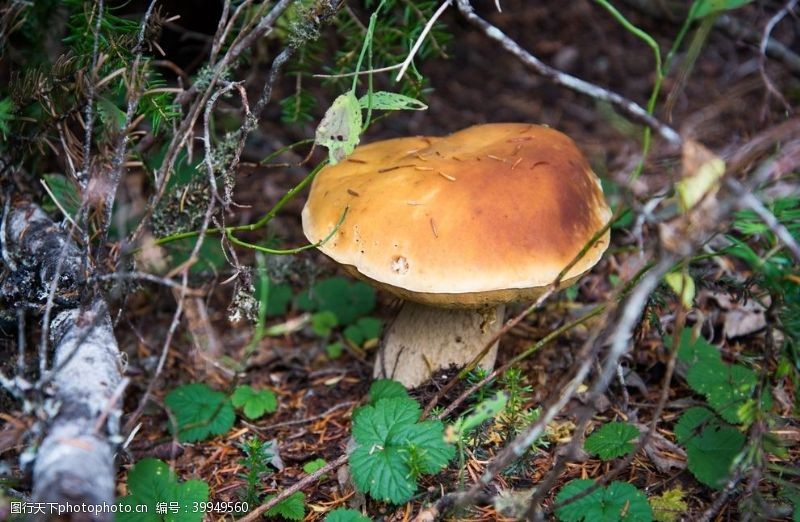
pixel 702 170
pixel 340 128
pixel 683 286
pixel 669 506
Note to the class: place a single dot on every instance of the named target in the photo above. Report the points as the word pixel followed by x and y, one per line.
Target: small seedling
pixel 257 456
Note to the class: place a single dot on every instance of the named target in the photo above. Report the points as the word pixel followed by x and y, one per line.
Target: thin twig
pixel 762 59
pixel 421 38
pixel 297 486
pixel 630 107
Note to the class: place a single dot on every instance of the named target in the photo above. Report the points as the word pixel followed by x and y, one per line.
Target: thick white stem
pixel 75 461
pixel 424 339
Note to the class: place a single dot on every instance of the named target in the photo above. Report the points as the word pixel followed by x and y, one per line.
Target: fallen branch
pixel 80 394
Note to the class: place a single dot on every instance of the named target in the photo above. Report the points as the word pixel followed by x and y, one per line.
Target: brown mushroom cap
pixel 489 214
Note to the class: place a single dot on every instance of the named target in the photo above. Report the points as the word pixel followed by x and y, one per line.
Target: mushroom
pixel 458 226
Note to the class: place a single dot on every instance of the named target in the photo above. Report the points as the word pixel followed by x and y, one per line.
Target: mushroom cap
pixel 490 214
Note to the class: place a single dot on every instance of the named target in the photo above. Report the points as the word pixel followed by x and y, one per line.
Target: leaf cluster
pixel 393 447
pixel 153 484
pixel 200 412
pixel 618 501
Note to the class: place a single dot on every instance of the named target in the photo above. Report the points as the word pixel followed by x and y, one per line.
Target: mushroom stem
pixel 424 339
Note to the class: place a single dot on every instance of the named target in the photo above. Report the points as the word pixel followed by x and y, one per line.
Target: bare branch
pixel 630 107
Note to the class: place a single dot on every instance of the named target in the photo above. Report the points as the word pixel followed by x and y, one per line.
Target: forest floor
pixel 723 105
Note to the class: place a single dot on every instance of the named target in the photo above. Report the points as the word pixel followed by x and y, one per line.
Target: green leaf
pixel 255 403
pixel 618 501
pixel 346 515
pixel 313 465
pixel 200 412
pixel 374 425
pixel 383 473
pixel 6 110
pixel 279 297
pixel 386 389
pixel 728 388
pixel 612 440
pixel 711 446
pixel 340 128
pixel 694 351
pixel 427 450
pixel 392 447
pixel 111 115
pixel 64 192
pixel 151 482
pixel 669 506
pixel 390 101
pixel 703 8
pixel 348 300
pixel 365 329
pixel 578 510
pixel 322 323
pixel 334 350
pixel 292 507
pixel 485 410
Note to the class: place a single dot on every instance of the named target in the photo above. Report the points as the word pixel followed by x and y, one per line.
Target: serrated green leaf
pixel 200 412
pixel 254 403
pixel 392 448
pixel 187 495
pixel 340 128
pixel 669 506
pixel 390 101
pixel 427 450
pixel 694 351
pixel 711 446
pixel 383 473
pixel 692 423
pixel 346 515
pixel 577 511
pixel 386 389
pixel 373 425
pixel 348 300
pixel 612 440
pixel 292 507
pixel 151 482
pixel 618 501
pixel 727 387
pixel 322 323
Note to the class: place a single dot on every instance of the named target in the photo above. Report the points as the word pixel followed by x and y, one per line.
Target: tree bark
pixel 82 389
